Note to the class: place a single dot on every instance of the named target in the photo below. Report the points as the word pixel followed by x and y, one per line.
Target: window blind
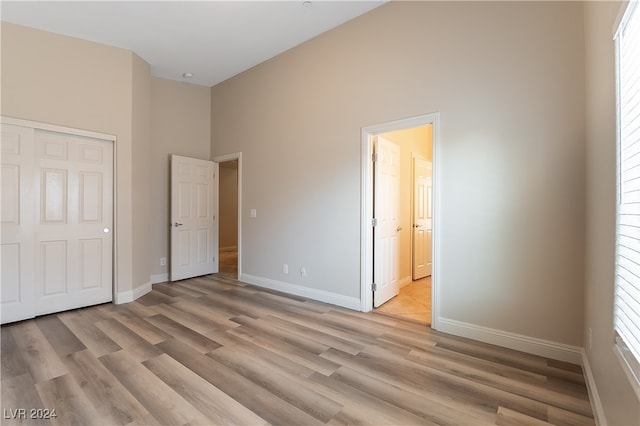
pixel 627 282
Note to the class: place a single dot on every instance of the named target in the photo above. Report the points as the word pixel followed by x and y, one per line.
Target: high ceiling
pixel 212 40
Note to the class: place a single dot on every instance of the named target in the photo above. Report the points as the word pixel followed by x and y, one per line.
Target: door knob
pixel 177 224
pixel 398 229
pixel 417 226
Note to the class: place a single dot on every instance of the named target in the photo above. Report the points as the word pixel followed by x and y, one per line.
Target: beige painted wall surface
pixel 619 401
pixel 75 83
pixel 508 80
pixel 181 125
pixel 141 171
pixel 416 140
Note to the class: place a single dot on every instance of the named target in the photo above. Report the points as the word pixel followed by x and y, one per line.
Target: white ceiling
pixel 213 40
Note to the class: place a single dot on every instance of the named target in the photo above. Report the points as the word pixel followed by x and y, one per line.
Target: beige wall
pixel 71 82
pixel 419 141
pixel 141 169
pixel 620 404
pixel 180 125
pixel 508 81
pixel 75 83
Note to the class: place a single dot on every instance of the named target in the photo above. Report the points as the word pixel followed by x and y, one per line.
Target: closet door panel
pixel 17 299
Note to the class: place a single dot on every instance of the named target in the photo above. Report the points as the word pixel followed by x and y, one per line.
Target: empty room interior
pixel 319 212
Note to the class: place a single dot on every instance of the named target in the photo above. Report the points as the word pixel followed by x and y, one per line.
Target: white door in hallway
pixel 422 217
pixel 386 212
pixel 194 226
pixel 57 219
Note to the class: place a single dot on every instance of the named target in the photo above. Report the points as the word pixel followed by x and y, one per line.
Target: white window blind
pixel 627 284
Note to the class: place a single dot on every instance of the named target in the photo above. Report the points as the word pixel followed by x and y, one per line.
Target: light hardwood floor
pixel 213 351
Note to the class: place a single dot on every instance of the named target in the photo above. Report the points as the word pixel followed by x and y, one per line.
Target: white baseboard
pixel 130 296
pixel 405 281
pixel 519 342
pixel 159 278
pixel 594 396
pixel 298 290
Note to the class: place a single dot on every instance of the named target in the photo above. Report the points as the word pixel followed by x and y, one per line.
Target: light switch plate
pixel 252 213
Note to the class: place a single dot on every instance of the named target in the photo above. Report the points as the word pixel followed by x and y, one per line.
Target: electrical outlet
pixel 285 268
pixel 163 261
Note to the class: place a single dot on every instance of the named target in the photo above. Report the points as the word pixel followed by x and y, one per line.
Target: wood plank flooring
pixel 212 351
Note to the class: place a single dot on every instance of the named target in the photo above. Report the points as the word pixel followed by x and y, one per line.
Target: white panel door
pixel 17 298
pixel 422 218
pixel 386 211
pixel 74 221
pixel 194 226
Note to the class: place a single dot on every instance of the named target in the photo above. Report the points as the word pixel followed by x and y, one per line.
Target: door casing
pixel 367 196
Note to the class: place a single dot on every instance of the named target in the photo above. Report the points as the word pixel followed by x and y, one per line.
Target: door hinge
pixel 374 222
pixel 374 287
pixel 374 157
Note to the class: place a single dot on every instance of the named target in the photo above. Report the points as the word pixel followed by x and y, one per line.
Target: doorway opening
pixel 399 260
pixel 229 200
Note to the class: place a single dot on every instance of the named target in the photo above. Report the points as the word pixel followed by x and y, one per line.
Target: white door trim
pixel 56 128
pixel 222 159
pixel 366 195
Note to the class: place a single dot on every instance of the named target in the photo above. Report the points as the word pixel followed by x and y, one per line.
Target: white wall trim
pixel 366 196
pixel 159 278
pixel 592 390
pixel 352 303
pixel 519 342
pixel 130 296
pixel 405 281
pixel 56 128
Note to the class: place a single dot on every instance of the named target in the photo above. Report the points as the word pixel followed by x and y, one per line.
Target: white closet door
pixel 17 298
pixel 74 223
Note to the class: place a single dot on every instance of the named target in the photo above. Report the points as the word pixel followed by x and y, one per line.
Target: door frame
pixel 114 202
pixel 222 159
pixel 366 207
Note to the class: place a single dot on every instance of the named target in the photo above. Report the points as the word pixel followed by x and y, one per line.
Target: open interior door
pixel 422 206
pixel 194 225
pixel 386 212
